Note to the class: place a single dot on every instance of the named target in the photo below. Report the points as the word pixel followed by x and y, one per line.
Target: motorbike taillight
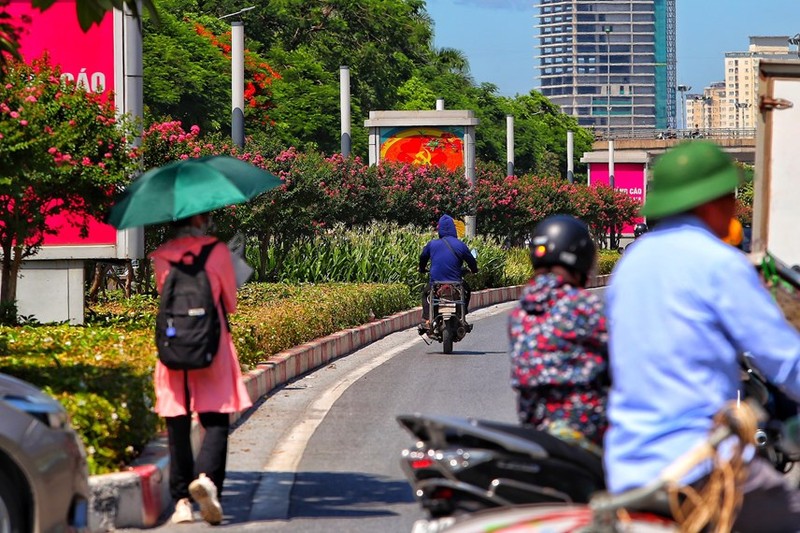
pixel 421 463
pixel 442 493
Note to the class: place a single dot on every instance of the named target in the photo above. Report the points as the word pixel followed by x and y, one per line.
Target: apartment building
pixel 741 79
pixel 609 63
pixel 733 103
pixel 707 110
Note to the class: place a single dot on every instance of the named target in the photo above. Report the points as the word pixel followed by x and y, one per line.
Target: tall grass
pixel 382 253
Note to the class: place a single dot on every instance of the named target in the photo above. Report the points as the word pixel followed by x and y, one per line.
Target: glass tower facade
pixel 609 63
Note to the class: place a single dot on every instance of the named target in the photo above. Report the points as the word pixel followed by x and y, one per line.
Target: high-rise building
pixel 741 79
pixel 732 104
pixel 609 63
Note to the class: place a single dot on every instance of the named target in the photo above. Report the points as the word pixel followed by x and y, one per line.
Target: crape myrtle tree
pixel 64 151
pixel 187 71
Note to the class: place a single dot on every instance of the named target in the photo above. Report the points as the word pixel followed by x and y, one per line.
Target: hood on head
pixel 174 249
pixel 446 227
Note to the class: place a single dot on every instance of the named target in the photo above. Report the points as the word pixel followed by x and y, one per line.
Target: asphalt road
pixel 322 453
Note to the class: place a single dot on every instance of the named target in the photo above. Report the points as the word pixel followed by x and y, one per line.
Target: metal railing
pixel 692 133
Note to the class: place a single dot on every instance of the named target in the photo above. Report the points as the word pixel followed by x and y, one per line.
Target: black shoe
pixel 467 327
pixel 423 327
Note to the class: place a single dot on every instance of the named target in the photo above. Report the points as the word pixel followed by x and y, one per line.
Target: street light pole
pixel 237 77
pixel 683 89
pixel 740 106
pixel 608 30
pixel 796 41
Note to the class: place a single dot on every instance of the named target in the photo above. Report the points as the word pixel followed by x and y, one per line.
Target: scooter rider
pixel 557 332
pixel 682 305
pixel 446 255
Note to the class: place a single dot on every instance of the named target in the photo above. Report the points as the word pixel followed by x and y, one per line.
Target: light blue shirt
pixel 681 305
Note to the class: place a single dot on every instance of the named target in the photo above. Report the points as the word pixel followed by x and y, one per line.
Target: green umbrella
pixel 188 187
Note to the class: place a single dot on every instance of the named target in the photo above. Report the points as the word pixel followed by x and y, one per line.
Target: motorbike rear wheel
pixel 447 338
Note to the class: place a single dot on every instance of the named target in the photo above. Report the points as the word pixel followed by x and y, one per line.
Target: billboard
pixel 629 178
pixel 87 58
pixel 436 146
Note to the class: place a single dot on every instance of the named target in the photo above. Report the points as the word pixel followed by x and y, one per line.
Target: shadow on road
pixel 463 352
pixel 337 494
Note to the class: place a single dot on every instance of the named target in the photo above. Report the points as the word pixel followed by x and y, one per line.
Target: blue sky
pixel 498 36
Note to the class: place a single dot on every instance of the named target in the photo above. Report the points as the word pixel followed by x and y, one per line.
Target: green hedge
pixel 379 253
pixel 84 367
pixel 518 269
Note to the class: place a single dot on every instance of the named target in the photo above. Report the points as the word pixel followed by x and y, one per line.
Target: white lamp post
pixel 237 77
pixel 608 30
pixel 683 89
pixel 796 41
pixel 740 107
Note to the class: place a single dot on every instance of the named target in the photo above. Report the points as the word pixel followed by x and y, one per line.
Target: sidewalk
pixel 138 496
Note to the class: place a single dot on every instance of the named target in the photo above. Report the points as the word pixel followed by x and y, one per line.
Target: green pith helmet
pixel 690 174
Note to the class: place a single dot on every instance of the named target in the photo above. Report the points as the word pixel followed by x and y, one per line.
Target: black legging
pixel 211 459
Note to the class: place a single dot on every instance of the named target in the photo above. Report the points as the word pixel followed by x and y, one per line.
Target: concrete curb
pixel 139 496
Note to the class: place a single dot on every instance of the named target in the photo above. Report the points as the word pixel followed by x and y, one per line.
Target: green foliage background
pixel 394 65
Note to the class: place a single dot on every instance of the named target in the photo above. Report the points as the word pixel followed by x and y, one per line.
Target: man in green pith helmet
pixel 682 307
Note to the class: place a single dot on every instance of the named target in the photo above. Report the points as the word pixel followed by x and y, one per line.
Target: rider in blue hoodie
pixel 446 254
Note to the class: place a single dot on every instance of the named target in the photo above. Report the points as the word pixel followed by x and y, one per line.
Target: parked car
pixel 44 476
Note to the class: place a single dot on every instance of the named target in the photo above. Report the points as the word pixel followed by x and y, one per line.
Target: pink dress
pixel 220 387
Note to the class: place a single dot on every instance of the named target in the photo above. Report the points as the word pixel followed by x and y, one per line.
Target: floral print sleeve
pixel 559 356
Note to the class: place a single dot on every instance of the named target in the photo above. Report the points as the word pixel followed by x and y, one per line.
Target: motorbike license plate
pixel 447 309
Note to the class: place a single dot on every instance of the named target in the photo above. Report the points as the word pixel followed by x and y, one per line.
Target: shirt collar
pixel 682 220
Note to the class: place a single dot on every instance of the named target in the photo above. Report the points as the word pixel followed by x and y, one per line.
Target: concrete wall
pixel 52 290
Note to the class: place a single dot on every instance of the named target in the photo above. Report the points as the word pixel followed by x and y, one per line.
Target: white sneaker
pixel 204 492
pixel 183 512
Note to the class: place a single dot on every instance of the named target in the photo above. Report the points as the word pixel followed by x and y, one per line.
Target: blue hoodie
pixel 446 260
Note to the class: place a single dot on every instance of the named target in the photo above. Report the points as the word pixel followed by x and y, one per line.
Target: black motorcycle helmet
pixel 639 230
pixel 563 240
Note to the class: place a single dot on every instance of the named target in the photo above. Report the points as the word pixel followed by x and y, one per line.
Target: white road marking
pixel 290 451
pixel 272 498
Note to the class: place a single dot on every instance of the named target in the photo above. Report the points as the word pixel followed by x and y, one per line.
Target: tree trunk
pixel 128 277
pixel 12 261
pixel 144 277
pixel 5 275
pixel 263 250
pixel 97 279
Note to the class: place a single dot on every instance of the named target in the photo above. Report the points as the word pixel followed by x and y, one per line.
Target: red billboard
pixel 629 178
pixel 88 59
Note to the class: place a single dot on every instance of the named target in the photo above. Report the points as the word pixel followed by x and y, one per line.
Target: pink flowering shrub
pixel 319 192
pixel 62 150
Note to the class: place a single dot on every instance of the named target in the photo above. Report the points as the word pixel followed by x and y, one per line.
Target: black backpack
pixel 187 324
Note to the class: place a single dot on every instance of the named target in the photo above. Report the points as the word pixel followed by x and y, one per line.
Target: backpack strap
pixel 200 262
pixel 451 248
pixel 205 251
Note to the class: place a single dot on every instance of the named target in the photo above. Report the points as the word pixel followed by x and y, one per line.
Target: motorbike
pixel 771 439
pixel 644 509
pixel 448 309
pixel 463 465
pixel 460 466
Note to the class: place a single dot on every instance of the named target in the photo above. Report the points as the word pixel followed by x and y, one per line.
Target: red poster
pixel 86 58
pixel 628 178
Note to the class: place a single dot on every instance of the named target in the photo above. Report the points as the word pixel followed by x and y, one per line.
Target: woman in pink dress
pixel 213 392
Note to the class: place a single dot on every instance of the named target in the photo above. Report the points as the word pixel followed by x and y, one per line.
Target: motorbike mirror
pixel 474 253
